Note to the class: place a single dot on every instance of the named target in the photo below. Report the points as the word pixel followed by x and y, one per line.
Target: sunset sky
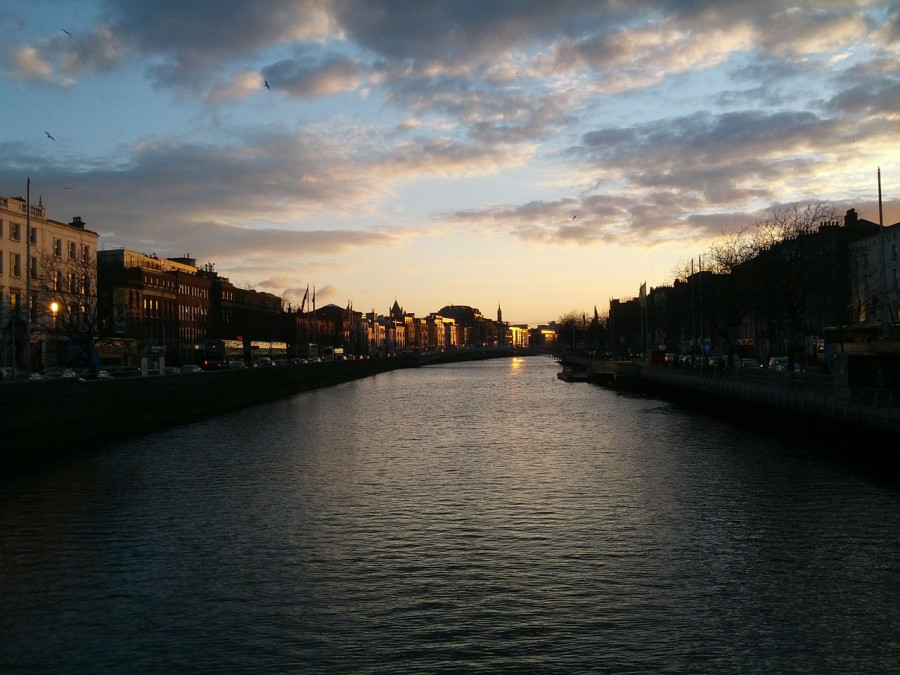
pixel 543 156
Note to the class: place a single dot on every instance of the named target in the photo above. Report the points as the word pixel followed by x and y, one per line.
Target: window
pixel 15 232
pixel 1 227
pixel 85 253
pixel 1 265
pixel 15 264
pixel 34 268
pixel 34 235
pixel 60 284
pixel 72 250
pixel 57 247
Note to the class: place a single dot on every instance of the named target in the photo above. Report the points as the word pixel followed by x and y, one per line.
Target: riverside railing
pixel 810 394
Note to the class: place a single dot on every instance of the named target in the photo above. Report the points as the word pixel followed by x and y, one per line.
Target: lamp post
pixel 54 308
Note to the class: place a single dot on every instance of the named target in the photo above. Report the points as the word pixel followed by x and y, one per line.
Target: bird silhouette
pixel 266 82
pixel 66 32
pixel 49 136
pixel 574 217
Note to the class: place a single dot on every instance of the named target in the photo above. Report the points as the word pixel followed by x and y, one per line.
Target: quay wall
pixel 819 410
pixel 40 420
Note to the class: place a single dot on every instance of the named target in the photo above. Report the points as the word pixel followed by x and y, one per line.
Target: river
pixel 480 516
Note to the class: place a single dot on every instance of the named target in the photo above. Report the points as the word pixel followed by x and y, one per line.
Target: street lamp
pixel 54 307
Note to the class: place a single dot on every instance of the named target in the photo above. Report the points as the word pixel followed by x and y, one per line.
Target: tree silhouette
pixel 66 299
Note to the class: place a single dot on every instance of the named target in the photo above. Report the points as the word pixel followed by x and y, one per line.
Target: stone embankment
pixel 45 419
pixel 808 401
pixel 42 419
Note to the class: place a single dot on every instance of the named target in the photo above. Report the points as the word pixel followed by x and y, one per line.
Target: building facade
pixel 875 277
pixel 170 307
pixel 48 288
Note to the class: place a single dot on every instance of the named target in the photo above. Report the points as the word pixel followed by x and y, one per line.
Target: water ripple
pixel 482 517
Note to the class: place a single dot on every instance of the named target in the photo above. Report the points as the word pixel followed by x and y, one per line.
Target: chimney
pixel 76 222
pixel 851 218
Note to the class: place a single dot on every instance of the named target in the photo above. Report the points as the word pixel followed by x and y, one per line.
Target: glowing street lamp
pixel 54 307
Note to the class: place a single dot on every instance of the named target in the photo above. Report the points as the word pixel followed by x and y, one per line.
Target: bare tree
pixel 729 251
pixel 784 223
pixel 66 299
pixel 683 269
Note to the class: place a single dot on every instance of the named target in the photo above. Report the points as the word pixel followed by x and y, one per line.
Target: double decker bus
pixel 214 355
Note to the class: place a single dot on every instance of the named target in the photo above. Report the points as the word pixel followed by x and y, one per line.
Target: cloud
pixel 449 31
pixel 98 51
pixel 447 158
pixel 872 88
pixel 26 63
pixel 645 123
pixel 311 77
pixel 184 42
pixel 242 85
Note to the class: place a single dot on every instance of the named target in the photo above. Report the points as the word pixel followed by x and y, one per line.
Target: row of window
pixel 15 234
pixel 72 282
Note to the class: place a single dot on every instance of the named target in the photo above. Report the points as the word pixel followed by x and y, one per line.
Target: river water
pixel 477 516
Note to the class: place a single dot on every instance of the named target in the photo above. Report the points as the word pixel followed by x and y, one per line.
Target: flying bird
pixel 49 136
pixel 66 32
pixel 574 217
pixel 266 82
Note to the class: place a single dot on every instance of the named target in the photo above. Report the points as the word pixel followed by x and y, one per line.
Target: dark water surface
pixel 480 516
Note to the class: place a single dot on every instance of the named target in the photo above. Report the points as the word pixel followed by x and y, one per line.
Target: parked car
pixel 59 374
pixel 751 364
pixel 778 364
pixel 235 364
pixel 264 361
pixel 190 369
pixel 91 374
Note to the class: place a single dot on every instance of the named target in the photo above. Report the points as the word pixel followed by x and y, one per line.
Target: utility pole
pixel 885 305
pixel 27 347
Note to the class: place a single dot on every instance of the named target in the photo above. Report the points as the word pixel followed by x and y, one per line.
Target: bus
pixel 332 353
pixel 214 355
